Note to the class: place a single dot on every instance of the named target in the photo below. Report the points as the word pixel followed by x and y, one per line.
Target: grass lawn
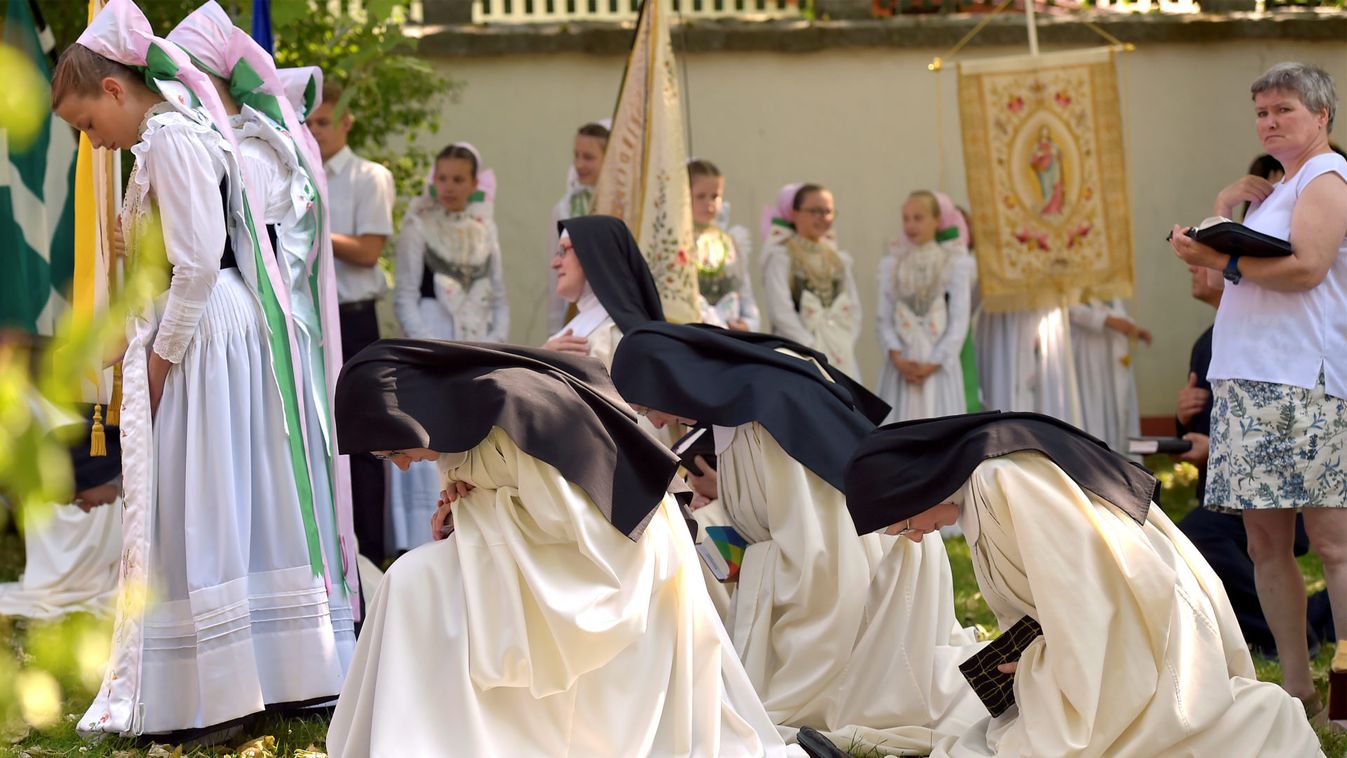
pixel 276 736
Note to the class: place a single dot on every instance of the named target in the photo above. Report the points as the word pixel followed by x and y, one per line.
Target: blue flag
pixel 262 25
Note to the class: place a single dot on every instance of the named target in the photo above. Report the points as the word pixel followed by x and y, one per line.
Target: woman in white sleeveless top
pixel 1279 362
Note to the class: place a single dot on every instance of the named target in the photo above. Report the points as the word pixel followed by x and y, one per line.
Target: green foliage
pixel 394 96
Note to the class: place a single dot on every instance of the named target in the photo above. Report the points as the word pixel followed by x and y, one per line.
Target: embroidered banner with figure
pixel 1047 182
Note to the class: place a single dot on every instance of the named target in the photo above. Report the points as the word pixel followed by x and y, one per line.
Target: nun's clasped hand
pixel 442 522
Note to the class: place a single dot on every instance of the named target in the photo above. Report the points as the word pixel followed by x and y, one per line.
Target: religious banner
pixel 644 179
pixel 1047 183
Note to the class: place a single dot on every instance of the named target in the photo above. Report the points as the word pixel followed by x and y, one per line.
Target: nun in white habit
pixel 852 635
pixel 562 615
pixel 72 551
pixel 1140 652
pixel 1103 341
pixel 600 269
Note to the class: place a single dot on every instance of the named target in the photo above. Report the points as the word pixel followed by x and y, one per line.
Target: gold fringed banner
pixel 1047 181
pixel 644 178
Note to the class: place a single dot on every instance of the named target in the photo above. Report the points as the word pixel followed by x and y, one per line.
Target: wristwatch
pixel 1231 272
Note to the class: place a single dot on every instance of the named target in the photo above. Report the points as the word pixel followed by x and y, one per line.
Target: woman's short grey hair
pixel 1312 84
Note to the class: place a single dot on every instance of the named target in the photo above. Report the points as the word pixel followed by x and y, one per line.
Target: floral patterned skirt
pixel 1276 446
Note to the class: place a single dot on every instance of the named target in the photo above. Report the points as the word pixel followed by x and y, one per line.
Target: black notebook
pixel 1234 238
pixel 994 688
pixel 700 441
pixel 1152 445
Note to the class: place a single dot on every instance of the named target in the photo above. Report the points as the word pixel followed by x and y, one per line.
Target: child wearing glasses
pixel 809 291
pixel 925 287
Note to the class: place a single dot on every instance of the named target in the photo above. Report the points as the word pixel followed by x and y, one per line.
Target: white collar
pixel 338 163
pixel 590 315
pixel 724 435
pixel 968 513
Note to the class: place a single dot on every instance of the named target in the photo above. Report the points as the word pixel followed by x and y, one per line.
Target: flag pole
pixel 1032 26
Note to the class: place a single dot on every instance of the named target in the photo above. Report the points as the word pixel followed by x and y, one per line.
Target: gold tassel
pixel 115 403
pixel 98 443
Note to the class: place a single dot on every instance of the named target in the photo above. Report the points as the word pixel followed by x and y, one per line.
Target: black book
pixel 994 688
pixel 700 441
pixel 1233 238
pixel 1152 445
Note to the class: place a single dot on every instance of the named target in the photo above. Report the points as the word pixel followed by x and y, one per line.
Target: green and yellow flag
pixel 37 163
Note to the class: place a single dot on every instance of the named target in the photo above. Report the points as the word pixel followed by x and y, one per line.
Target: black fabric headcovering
pixel 615 269
pixel 728 378
pixel 903 469
pixel 559 408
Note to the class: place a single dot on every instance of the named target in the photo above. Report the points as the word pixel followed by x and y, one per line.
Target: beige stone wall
pixel 873 124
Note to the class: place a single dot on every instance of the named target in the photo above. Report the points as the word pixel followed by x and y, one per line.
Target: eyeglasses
pixel 562 251
pixel 819 212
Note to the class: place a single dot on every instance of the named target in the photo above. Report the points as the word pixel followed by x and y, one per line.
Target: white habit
pixel 538 629
pixel 853 635
pixel 1141 654
pixel 1108 389
pixel 1007 368
pixel 71 560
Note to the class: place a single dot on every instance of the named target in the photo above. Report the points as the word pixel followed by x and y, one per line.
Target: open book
pixel 1234 238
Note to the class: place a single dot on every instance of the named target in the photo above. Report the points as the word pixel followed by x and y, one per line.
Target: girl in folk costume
pixel 852 635
pixel 925 286
pixel 808 288
pixel 600 270
pixel 1139 652
pixel 591 141
pixel 722 256
pixel 290 185
pixel 225 608
pixel 1103 339
pixel 557 615
pixel 448 286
